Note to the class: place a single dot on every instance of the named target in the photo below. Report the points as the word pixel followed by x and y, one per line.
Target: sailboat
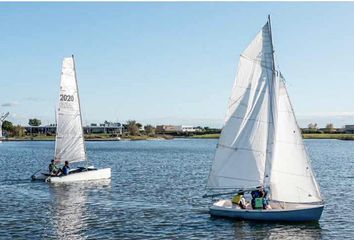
pixel 69 141
pixel 2 119
pixel 261 144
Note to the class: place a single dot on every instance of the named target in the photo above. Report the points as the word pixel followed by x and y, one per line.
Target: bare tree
pixel 133 129
pixel 329 127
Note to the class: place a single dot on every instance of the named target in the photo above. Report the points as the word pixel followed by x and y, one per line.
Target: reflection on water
pixel 259 230
pixel 69 207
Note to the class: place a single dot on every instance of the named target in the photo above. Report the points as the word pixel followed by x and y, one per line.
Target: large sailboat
pixel 261 144
pixel 69 141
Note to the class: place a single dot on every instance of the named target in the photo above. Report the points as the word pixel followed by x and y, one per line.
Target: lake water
pixel 155 192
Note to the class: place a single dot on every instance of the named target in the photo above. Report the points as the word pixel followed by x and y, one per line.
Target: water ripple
pixel 155 193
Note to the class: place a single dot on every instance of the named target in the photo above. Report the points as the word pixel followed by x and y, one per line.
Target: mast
pixel 271 85
pixel 271 42
pixel 78 98
pixel 56 130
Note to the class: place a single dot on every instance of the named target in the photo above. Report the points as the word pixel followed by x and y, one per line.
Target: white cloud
pixel 10 104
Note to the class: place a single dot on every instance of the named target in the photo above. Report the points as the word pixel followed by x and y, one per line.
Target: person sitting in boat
pixel 53 169
pixel 66 168
pixel 239 200
pixel 259 198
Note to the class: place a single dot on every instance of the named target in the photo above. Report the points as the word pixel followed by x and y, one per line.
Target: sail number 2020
pixel 67 98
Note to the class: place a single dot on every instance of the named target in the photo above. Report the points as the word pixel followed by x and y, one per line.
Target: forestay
pixel 241 153
pixel 69 144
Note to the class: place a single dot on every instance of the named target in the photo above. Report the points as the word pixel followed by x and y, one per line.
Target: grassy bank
pixel 212 135
pixel 328 136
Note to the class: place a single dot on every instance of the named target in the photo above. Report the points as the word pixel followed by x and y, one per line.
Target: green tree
pixel 149 129
pixel 329 127
pixel 7 126
pixel 133 129
pixel 18 131
pixel 312 126
pixel 34 122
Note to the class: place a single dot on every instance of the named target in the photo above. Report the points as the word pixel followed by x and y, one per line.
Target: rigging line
pixel 260 61
pixel 249 119
pixel 255 99
pixel 251 77
pixel 293 174
pixel 249 88
pixel 238 148
pixel 242 179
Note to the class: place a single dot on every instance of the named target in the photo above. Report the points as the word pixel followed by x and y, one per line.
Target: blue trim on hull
pixel 294 215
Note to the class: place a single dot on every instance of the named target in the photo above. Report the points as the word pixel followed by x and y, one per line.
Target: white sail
pixel 2 119
pixel 291 176
pixel 242 149
pixel 0 130
pixel 69 142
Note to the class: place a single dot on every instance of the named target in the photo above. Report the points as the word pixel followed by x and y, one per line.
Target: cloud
pixel 32 99
pixel 9 104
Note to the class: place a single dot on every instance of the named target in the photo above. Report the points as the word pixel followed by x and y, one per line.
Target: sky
pixel 172 63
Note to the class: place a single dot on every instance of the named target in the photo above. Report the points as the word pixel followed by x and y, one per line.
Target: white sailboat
pixel 2 119
pixel 261 144
pixel 69 141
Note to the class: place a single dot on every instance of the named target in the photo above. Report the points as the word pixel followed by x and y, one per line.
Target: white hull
pixel 290 212
pixel 90 175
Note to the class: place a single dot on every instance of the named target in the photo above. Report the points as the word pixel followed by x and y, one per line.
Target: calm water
pixel 155 192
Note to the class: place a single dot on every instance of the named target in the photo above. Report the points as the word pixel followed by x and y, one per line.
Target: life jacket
pixel 258 203
pixel 52 167
pixel 236 199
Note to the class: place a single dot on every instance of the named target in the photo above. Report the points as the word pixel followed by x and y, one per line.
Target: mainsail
pixel 261 143
pixel 241 153
pixel 69 142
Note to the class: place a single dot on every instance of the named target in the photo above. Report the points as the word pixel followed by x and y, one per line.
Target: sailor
pixel 259 198
pixel 66 168
pixel 53 169
pixel 239 200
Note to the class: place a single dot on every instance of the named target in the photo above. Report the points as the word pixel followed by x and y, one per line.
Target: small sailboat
pixel 2 119
pixel 261 144
pixel 69 141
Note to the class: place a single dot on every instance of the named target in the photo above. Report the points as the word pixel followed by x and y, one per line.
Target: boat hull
pixel 96 174
pixel 302 213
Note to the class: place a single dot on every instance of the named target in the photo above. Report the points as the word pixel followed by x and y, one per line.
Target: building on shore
pixel 176 129
pixel 349 129
pixel 106 128
pixel 93 128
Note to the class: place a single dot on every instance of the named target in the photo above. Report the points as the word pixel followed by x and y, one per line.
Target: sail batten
pixel 69 144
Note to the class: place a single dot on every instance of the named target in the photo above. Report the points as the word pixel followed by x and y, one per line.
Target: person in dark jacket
pixel 259 195
pixel 66 168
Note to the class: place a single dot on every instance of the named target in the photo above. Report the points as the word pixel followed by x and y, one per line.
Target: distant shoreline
pixel 337 136
pixel 349 137
pixel 88 139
